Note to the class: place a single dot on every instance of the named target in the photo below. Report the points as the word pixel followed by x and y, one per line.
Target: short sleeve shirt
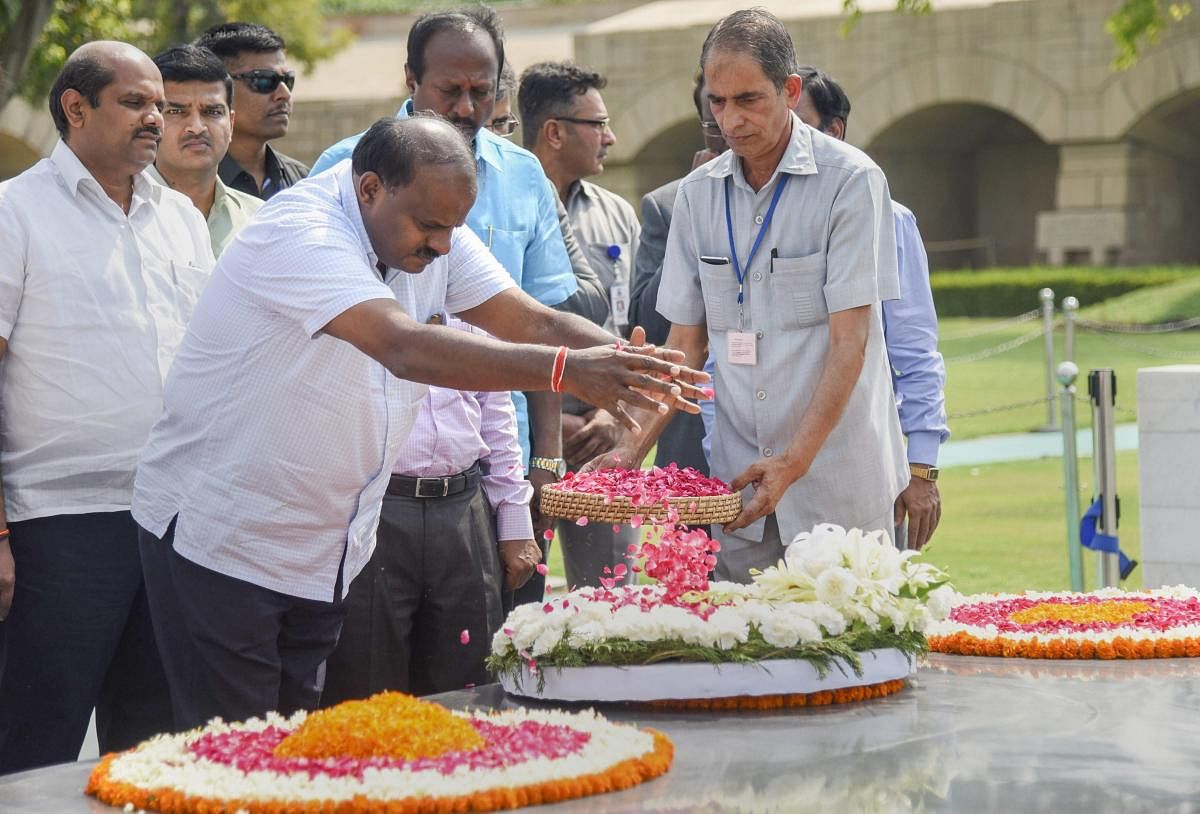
pixel 277 440
pixel 830 247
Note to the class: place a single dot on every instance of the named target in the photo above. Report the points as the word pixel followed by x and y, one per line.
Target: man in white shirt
pixel 259 491
pixel 99 270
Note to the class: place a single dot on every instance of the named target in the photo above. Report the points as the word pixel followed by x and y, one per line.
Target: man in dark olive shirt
pixel 262 99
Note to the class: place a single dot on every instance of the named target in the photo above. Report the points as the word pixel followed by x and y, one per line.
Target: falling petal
pixel 542 568
pixel 583 521
pixel 464 637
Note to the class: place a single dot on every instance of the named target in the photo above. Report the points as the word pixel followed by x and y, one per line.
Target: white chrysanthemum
pixel 836 586
pixel 727 628
pixel 940 601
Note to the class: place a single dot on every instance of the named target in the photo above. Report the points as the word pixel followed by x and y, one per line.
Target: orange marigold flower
pixel 389 724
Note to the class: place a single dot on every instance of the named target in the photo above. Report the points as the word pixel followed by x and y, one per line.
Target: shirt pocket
pixel 508 247
pixel 719 286
pixel 798 290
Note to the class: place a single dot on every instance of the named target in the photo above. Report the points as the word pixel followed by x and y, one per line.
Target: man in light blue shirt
pixel 453 67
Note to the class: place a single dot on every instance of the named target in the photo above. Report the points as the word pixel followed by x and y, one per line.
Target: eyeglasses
pixel 504 126
pixel 599 124
pixel 710 128
pixel 264 80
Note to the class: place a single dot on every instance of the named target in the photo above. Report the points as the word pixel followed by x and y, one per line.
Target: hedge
pixel 1008 292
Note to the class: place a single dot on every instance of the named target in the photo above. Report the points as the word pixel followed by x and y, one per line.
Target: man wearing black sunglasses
pixel 262 98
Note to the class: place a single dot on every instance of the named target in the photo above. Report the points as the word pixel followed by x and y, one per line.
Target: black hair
pixel 191 63
pixel 88 75
pixel 758 33
pixel 230 40
pixel 462 21
pixel 393 148
pixel 508 82
pixel 549 89
pixel 827 96
pixel 697 92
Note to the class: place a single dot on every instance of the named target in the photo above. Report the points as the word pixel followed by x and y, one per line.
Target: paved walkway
pixel 1025 446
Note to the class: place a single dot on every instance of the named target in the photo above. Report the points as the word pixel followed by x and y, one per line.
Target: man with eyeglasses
pixel 262 99
pixel 566 127
pixel 197 127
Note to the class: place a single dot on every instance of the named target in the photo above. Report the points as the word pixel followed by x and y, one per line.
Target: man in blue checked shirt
pixel 453 68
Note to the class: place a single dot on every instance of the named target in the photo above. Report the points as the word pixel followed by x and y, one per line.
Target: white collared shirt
pixel 277 440
pixel 93 303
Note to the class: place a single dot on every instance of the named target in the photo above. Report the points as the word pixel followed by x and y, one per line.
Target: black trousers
pixel 78 637
pixel 435 573
pixel 232 648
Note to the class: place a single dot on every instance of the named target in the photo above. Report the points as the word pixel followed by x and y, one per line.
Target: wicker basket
pixel 709 509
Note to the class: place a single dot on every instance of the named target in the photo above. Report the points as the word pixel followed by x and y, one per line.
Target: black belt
pixel 408 486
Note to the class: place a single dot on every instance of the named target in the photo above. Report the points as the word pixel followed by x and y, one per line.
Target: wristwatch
pixel 924 471
pixel 558 466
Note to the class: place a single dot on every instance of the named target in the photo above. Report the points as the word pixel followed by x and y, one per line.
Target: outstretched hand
pixel 623 378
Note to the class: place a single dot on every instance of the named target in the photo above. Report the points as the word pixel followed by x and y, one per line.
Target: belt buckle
pixel 444 482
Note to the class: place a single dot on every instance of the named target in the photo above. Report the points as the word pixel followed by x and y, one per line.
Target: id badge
pixel 742 348
pixel 618 297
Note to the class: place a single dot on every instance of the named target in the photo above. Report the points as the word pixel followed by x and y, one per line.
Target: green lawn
pixel 1004 525
pixel 1019 375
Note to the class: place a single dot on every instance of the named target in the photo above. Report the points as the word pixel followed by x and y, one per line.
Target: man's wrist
pixel 555 466
pixel 923 471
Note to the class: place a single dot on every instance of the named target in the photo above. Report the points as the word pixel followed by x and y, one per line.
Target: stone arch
pixel 1029 96
pixel 664 106
pixel 1166 72
pixel 976 176
pixel 26 134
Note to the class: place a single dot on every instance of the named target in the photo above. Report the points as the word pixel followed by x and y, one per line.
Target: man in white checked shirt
pixel 294 389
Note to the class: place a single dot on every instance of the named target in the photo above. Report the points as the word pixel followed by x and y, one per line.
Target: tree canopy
pixel 29 60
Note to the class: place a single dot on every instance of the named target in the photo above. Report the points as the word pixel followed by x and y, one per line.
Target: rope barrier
pixel 1157 353
pixel 994 326
pixel 1128 328
pixel 988 353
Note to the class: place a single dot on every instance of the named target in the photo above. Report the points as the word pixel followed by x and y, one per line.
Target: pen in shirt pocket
pixel 774 257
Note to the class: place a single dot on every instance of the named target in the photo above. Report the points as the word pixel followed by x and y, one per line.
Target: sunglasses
pixel 265 80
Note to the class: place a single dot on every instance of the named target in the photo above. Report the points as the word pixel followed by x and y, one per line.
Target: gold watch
pixel 556 466
pixel 924 471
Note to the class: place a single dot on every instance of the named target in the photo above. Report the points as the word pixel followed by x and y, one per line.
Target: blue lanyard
pixel 762 230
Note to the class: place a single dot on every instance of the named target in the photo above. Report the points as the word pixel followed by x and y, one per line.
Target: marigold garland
pixel 623 775
pixel 845 695
pixel 388 724
pixel 1106 624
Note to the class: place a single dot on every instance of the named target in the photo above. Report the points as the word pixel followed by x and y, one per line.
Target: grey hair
pixel 758 33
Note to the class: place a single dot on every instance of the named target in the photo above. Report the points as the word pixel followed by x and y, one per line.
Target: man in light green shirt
pixel 198 125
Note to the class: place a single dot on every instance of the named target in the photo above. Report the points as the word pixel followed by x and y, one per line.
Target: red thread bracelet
pixel 3 533
pixel 560 366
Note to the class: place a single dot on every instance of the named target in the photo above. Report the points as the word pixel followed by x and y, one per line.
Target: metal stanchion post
pixel 1067 373
pixel 1102 388
pixel 1070 307
pixel 1047 297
